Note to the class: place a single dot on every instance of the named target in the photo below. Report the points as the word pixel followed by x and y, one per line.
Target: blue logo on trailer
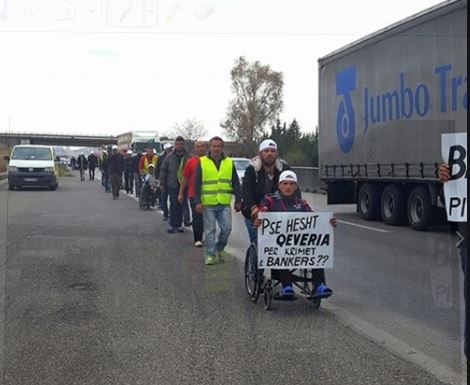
pixel 345 118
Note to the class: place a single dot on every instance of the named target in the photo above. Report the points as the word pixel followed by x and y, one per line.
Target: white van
pixel 32 165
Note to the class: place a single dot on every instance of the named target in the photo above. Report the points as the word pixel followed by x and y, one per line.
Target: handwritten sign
pixel 295 240
pixel 454 153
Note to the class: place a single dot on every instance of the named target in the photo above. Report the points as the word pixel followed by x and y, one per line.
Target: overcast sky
pixel 106 67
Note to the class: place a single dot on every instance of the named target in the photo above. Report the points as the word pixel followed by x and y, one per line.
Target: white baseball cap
pixel 129 152
pixel 114 147
pixel 166 146
pixel 267 143
pixel 288 175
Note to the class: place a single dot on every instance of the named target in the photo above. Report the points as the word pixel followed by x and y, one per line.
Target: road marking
pixel 363 226
pixel 381 338
pixel 398 347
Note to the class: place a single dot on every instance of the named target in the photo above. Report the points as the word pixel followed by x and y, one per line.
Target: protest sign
pixel 292 240
pixel 454 153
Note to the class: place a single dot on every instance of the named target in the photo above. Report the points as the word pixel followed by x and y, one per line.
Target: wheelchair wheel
pixel 316 303
pixel 252 275
pixel 309 287
pixel 268 295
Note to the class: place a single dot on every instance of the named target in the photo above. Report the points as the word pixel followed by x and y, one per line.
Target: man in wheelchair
pixel 285 199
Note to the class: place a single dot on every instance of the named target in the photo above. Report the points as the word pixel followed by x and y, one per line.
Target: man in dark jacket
pixel 261 178
pixel 115 169
pixel 171 175
pixel 128 173
pixel 92 162
pixel 82 165
pixel 163 193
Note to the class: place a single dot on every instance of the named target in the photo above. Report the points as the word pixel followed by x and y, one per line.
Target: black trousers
pixel 91 173
pixel 198 222
pixel 129 182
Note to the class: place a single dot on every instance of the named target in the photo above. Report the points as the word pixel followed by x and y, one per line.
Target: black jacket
pixel 92 161
pixel 254 187
pixel 81 162
pixel 116 164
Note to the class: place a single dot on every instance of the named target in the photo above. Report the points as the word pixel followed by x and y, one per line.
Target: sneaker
pixel 222 255
pixel 165 217
pixel 210 260
pixel 323 291
pixel 287 290
pixel 198 244
pixel 180 230
pixel 187 223
pixel 171 230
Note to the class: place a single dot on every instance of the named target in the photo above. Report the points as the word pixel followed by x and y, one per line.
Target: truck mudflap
pixel 341 192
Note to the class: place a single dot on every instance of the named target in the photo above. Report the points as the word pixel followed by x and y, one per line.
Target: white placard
pixel 292 240
pixel 454 152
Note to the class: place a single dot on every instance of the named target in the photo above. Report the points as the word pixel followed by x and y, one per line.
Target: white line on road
pixel 392 344
pixel 363 226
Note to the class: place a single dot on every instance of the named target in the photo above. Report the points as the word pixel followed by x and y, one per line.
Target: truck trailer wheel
pixel 368 201
pixel 420 211
pixel 393 205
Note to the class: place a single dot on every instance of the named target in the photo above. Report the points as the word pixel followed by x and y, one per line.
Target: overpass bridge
pixel 8 139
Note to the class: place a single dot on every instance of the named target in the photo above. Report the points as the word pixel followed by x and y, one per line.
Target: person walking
pixel 135 167
pixel 261 178
pixel 187 190
pixel 82 165
pixel 115 169
pixel 167 149
pixel 215 182
pixel 129 172
pixel 462 232
pixel 92 162
pixel 104 162
pixel 171 174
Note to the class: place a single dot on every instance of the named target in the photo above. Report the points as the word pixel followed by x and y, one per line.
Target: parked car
pixel 240 165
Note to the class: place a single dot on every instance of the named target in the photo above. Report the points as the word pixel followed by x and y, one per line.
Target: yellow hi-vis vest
pixel 216 188
pixel 146 162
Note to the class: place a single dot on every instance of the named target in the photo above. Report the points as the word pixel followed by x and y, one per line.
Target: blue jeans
pixel 217 215
pixel 252 233
pixel 463 260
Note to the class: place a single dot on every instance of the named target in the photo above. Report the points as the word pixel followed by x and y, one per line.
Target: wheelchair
pixel 148 196
pixel 258 283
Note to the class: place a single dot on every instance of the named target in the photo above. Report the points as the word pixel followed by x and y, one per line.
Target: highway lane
pixel 98 293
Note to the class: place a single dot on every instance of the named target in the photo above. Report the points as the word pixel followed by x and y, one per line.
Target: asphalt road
pixel 96 292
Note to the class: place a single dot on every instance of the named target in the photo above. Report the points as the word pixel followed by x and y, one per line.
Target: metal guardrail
pixel 309 179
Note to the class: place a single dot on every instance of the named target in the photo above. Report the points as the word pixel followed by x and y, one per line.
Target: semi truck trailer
pixel 384 102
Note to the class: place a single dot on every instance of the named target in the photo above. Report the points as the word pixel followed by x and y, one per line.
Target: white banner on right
pixel 454 152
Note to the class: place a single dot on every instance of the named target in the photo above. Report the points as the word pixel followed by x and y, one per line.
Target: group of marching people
pixel 208 181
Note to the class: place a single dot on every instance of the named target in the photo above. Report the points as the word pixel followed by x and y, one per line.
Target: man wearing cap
pixel 135 168
pixel 115 169
pixel 167 149
pixel 215 182
pixel 171 174
pixel 81 165
pixel 128 173
pixel 261 178
pixel 104 162
pixel 286 200
pixel 92 161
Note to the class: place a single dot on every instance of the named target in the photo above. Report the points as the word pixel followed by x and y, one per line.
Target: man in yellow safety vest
pixel 215 182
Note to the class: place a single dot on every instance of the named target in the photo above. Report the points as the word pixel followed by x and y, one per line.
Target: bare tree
pixel 190 129
pixel 257 100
